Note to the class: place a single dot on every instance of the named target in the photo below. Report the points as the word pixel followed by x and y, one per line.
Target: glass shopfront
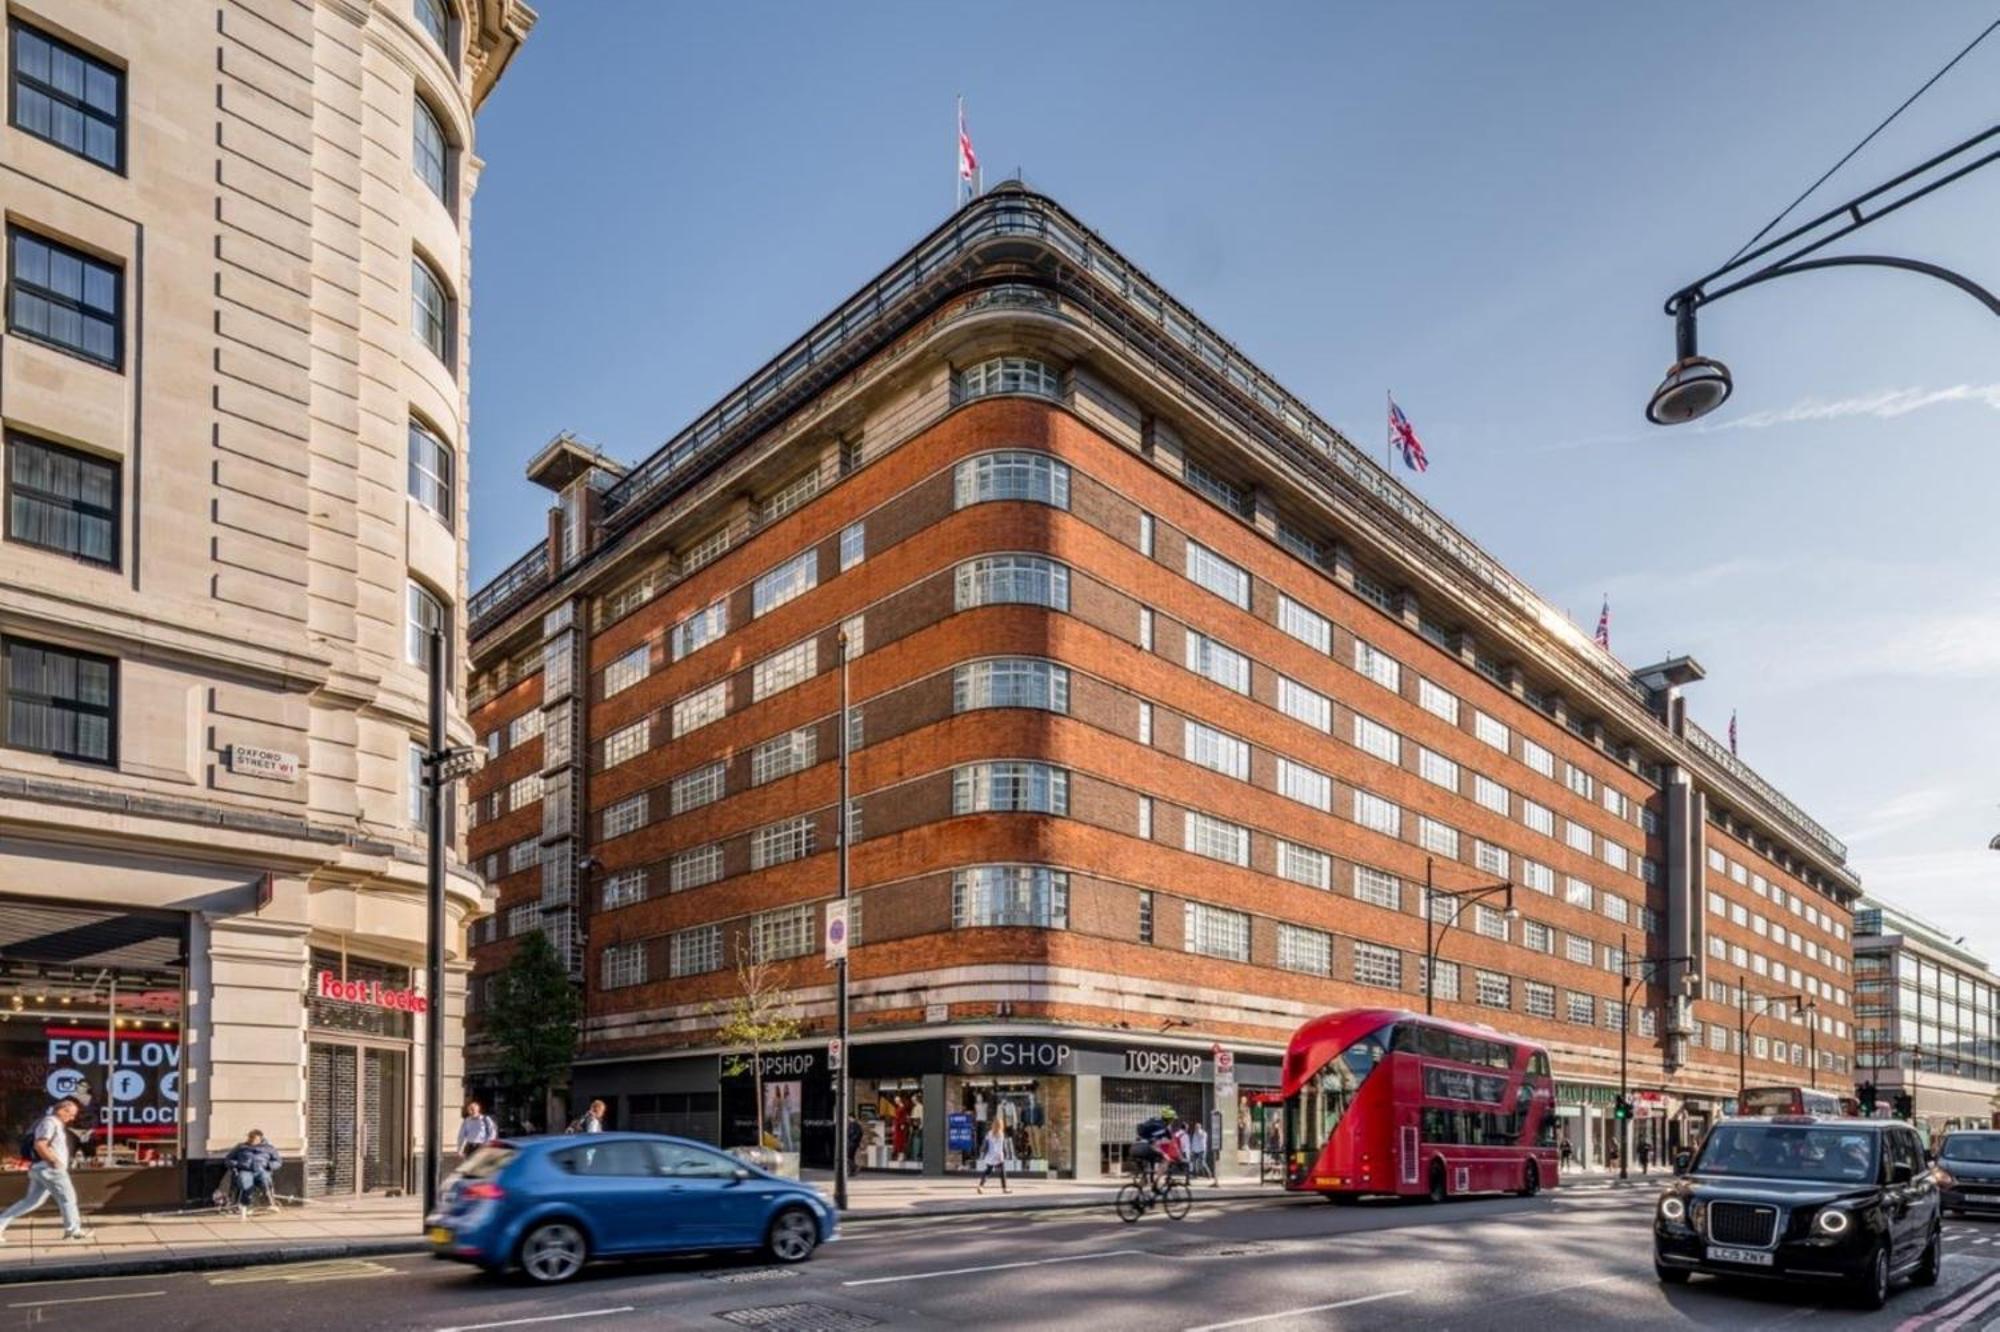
pixel 362 1016
pixel 891 1111
pixel 1034 1114
pixel 91 1004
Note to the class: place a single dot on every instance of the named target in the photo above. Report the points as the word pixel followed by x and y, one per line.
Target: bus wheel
pixel 1437 1193
pixel 1531 1180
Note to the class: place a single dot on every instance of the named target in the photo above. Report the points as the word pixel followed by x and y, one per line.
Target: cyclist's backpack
pixel 1151 1130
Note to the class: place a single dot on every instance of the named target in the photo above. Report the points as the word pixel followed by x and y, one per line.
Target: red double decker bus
pixel 1378 1100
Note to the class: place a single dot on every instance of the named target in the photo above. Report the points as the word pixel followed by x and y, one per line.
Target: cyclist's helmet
pixel 1169 1115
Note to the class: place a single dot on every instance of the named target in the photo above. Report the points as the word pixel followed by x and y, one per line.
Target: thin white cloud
pixel 1885 405
pixel 1904 812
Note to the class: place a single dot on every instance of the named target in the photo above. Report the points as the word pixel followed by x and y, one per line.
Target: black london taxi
pixel 1969 1171
pixel 1803 1198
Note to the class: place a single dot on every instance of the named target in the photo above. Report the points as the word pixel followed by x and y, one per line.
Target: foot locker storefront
pixel 362 1016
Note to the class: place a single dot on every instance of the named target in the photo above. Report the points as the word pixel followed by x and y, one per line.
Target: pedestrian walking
pixel 993 1155
pixel 46 1149
pixel 1198 1162
pixel 475 1130
pixel 1645 1156
pixel 1183 1148
pixel 1568 1154
pixel 591 1120
pixel 854 1135
pixel 1611 1155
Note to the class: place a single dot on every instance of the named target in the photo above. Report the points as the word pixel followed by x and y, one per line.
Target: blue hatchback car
pixel 548 1205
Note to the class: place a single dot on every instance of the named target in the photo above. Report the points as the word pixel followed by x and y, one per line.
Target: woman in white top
pixel 993 1155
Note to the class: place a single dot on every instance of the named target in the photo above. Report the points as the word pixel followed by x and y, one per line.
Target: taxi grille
pixel 1750 1224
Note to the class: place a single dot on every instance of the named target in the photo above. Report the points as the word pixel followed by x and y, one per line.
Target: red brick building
pixel 1166 700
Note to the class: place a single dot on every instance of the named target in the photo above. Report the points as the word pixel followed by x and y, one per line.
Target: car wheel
pixel 1671 1276
pixel 1531 1180
pixel 1873 1292
pixel 1927 1266
pixel 1437 1190
pixel 793 1235
pixel 553 1252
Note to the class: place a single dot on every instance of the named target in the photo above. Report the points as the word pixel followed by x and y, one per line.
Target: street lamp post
pixel 841 1085
pixel 1625 1039
pixel 1434 937
pixel 1744 1021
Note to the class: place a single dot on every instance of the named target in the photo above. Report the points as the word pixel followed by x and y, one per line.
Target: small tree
pixel 759 1016
pixel 533 1020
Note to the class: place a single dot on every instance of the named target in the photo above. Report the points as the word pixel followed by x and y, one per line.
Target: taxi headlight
pixel 1673 1209
pixel 1832 1221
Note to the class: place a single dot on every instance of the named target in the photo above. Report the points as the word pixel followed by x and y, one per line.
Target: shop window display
pixel 892 1123
pixel 1034 1113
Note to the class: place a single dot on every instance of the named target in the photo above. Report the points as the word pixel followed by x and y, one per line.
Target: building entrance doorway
pixel 357 1118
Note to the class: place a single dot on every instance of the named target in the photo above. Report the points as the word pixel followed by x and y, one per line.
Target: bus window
pixel 1538 1064
pixel 1313 1114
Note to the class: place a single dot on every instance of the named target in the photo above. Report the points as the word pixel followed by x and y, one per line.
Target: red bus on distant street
pixel 1379 1100
pixel 1795 1100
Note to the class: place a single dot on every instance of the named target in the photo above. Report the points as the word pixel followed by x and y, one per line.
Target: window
pixel 1649 1022
pixel 1214 750
pixel 1301 544
pixel 1438 979
pixel 1490 731
pixel 1378 666
pixel 704 550
pixel 778 843
pixel 698 709
pixel 1490 858
pixel 1616 803
pixel 1582 1009
pixel 1493 990
pixel 1489 793
pixel 1579 781
pixel 1437 837
pixel 1538 758
pixel 1489 922
pixel 1537 936
pixel 1307 626
pixel 1579 838
pixel 1616 856
pixel 419 810
pixel 1379 887
pixel 1146 818
pixel 1218 575
pixel 1214 932
pixel 700 628
pixel 626 816
pixel 1436 769
pixel 61 500
pixel 426 613
pixel 853 545
pixel 1030 896
pixel 1616 907
pixel 1230 496
pixel 1718 907
pixel 788 497
pixel 622 964
pixel 1011 682
pixel 1539 817
pixel 1539 999
pixel 1146 535
pixel 1145 722
pixel 1437 701
pixel 1012 476
pixel 1377 739
pixel 1376 965
pixel 1614 1016
pixel 795 577
pixel 61 703
pixel 693 869
pixel 68 98
pixel 1145 915
pixel 627 742
pixel 1218 839
pixel 782 670
pixel 1538 877
pixel 692 952
pixel 1301 949
pixel 1009 374
pixel 430 472
pixel 627 670
pixel 1306 785
pixel 782 755
pixel 1303 704
pixel 622 889
pixel 434 16
pixel 430 151
pixel 1302 864
pixel 1225 666
pixel 786 932
pixel 525 854
pixel 430 310
pixel 525 791
pixel 1372 811
pixel 1013 579
pixel 1036 788
pixel 65 298
pixel 693 789
pixel 1579 949
pixel 1577 893
pixel 1146 628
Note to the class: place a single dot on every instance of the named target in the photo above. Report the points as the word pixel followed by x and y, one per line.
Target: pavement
pixel 1571 1258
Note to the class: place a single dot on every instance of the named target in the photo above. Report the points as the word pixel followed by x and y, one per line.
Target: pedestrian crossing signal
pixel 1865 1093
pixel 1621 1108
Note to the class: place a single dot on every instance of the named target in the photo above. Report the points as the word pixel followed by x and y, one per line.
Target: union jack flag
pixel 1405 436
pixel 1604 626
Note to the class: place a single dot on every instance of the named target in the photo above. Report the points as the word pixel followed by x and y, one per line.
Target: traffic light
pixel 1865 1093
pixel 1904 1105
pixel 1621 1108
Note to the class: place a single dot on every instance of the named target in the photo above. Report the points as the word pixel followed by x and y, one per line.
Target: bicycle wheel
pixel 1131 1203
pixel 1177 1198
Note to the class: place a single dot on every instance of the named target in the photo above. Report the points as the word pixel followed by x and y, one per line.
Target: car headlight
pixel 1832 1221
pixel 1673 1209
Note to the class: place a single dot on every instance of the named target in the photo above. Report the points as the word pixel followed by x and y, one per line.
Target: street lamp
pixel 1434 937
pixel 1744 1021
pixel 841 1085
pixel 1625 1028
pixel 1696 385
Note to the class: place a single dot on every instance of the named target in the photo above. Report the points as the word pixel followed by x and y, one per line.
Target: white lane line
pixel 545 1318
pixel 88 1299
pixel 968 1271
pixel 1294 1313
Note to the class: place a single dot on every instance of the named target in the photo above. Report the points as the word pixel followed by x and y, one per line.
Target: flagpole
pixel 1388 430
pixel 958 158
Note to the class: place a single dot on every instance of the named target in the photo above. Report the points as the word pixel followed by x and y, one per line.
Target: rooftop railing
pixel 1718 753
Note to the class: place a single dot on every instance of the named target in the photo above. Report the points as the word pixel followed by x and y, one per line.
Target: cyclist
pixel 1157 1153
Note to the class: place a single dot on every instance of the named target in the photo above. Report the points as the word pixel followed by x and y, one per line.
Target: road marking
pixel 545 1318
pixel 1984 1286
pixel 299 1274
pixel 1294 1313
pixel 87 1299
pixel 1002 1267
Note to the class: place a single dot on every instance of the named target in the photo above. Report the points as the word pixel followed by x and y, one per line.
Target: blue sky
pixel 1480 206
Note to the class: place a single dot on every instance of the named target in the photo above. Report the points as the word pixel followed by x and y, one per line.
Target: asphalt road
pixel 1577 1259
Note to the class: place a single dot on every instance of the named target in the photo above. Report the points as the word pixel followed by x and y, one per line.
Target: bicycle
pixel 1169 1192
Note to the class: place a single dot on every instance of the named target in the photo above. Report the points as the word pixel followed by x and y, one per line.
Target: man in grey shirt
pixel 48 1171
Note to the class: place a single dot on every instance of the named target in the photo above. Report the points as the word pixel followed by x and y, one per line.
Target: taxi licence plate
pixel 438 1235
pixel 1754 1257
